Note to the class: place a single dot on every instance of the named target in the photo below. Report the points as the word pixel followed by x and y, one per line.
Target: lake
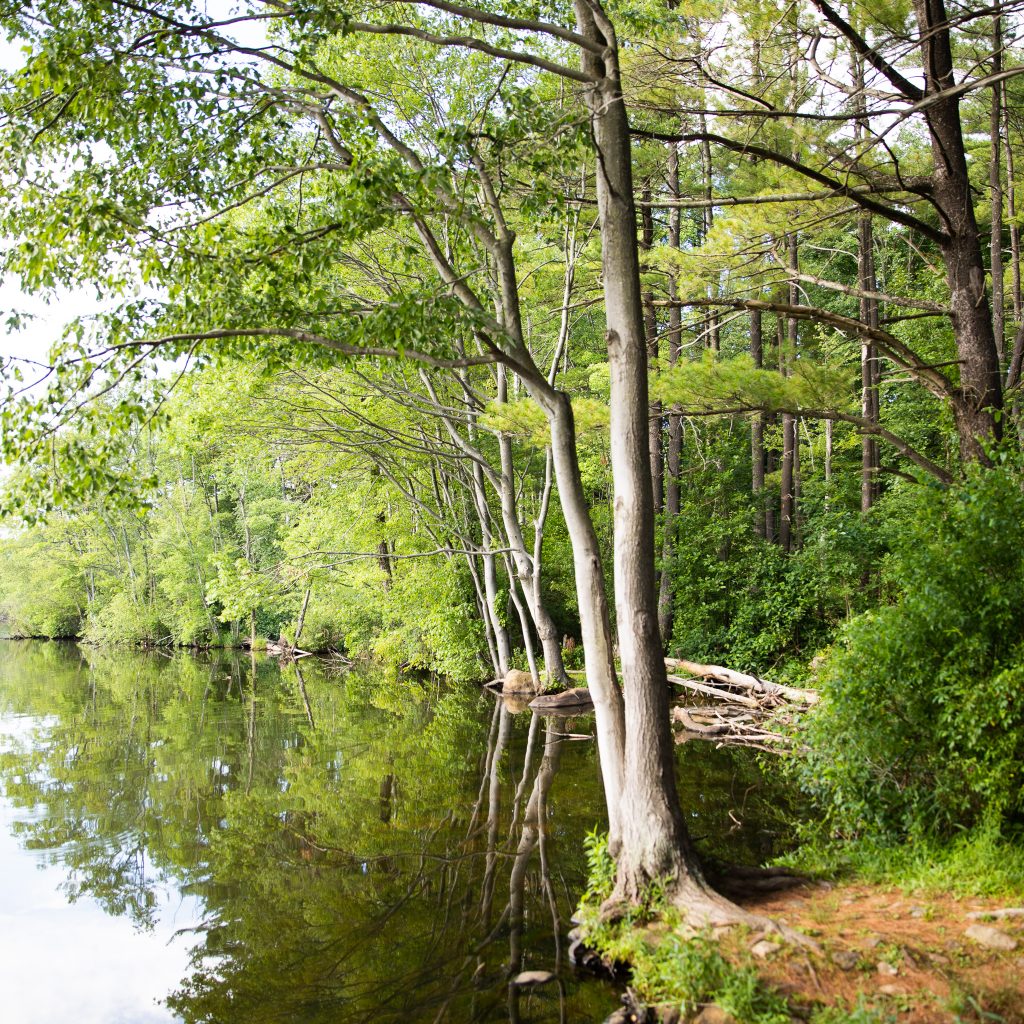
pixel 214 838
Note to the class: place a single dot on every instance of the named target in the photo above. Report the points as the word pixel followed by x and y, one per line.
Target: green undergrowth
pixel 984 862
pixel 679 972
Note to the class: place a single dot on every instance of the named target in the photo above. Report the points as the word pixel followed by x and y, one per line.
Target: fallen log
pixel 711 691
pixel 730 677
pixel 733 728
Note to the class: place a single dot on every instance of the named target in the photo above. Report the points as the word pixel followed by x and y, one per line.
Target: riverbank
pixel 876 952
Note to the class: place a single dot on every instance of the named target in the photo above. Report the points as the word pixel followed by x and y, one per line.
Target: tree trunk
pixel 595 622
pixel 995 179
pixel 675 421
pixel 787 498
pixel 525 568
pixel 981 398
pixel 757 429
pixel 869 408
pixel 651 330
pixel 490 574
pixel 655 843
pixel 1011 212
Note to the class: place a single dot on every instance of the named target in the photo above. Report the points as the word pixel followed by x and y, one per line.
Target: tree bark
pixel 651 330
pixel 595 621
pixel 995 179
pixel 675 421
pixel 786 355
pixel 655 842
pixel 981 396
pixel 869 408
pixel 1011 212
pixel 757 425
pixel 525 567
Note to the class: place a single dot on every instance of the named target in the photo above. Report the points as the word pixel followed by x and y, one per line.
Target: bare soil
pixel 909 956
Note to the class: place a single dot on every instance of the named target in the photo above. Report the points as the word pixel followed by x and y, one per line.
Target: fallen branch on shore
pixel 761 688
pixel 744 707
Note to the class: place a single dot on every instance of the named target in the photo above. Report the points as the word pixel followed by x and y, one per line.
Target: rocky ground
pixel 921 960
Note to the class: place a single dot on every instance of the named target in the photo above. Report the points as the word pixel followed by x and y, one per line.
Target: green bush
pixel 125 621
pixel 921 727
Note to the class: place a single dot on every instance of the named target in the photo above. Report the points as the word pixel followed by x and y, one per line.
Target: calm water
pixel 205 839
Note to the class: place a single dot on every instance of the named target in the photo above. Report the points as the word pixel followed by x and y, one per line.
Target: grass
pixel 670 970
pixel 980 863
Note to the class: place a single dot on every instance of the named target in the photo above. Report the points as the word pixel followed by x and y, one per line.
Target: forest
pixel 598 341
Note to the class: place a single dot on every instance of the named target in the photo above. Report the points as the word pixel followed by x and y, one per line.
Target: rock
pixel 516 681
pixel 874 942
pixel 887 969
pixel 764 949
pixel 620 1016
pixel 986 935
pixel 526 978
pixel 713 1015
pixel 892 990
pixel 575 700
pixel 846 959
pixel 918 911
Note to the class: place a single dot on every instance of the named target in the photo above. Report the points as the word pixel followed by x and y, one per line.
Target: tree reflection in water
pixel 364 847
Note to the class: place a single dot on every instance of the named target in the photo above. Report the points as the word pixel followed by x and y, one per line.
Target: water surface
pixel 213 839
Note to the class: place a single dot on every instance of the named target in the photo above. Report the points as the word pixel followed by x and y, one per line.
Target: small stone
pixel 940 959
pixel 918 911
pixel 533 978
pixel 887 969
pixel 713 1015
pixel 764 949
pixel 620 1016
pixel 986 935
pixel 873 943
pixel 892 990
pixel 846 959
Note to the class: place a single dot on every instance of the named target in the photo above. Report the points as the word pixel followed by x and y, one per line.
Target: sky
pixel 63 962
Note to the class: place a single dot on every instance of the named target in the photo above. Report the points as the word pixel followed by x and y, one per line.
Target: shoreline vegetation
pixel 650 348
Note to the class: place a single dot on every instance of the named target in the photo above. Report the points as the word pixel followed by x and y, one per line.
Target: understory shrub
pixel 921 728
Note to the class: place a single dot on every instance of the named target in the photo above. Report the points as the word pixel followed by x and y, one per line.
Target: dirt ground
pixel 910 956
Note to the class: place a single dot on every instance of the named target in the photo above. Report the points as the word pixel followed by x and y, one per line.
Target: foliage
pixel 921 727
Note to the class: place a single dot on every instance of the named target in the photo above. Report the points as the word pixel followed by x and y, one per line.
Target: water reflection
pixel 348 847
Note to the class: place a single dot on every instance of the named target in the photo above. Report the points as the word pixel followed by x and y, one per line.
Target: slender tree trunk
pixel 595 621
pixel 651 330
pixel 675 421
pixel 1011 211
pixel 869 408
pixel 525 567
pixel 713 339
pixel 757 425
pixel 981 400
pixel 302 615
pixel 655 842
pixel 787 498
pixel 490 574
pixel 996 189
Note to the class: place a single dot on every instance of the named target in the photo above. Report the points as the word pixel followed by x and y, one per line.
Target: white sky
pixel 63 962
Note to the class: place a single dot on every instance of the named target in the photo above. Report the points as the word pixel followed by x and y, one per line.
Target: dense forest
pixel 560 338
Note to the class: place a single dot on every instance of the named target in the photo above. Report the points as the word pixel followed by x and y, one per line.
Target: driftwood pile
pixel 735 708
